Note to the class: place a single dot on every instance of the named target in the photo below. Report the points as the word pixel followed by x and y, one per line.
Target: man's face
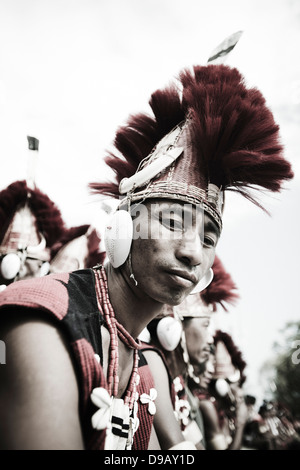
pixel 198 339
pixel 173 248
pixel 207 376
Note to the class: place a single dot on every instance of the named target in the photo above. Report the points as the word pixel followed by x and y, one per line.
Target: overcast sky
pixel 71 71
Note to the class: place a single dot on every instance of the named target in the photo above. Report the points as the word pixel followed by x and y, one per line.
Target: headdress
pixel 220 291
pixel 207 135
pixel 229 363
pixel 30 223
pixel 78 248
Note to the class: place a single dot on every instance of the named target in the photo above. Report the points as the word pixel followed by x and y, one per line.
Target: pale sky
pixel 71 71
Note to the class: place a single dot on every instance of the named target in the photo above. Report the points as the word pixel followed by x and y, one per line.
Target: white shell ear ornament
pixel 118 238
pixel 10 266
pixel 204 282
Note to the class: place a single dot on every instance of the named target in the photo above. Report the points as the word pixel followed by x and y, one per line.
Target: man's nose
pixel 190 248
pixel 210 338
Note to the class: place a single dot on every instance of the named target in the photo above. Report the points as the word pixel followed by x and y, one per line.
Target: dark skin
pixel 39 396
pixel 198 339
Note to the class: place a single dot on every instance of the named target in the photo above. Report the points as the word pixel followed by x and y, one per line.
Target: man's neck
pixel 133 308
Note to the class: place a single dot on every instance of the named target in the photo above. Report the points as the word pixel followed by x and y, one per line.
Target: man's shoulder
pixel 48 292
pixel 35 293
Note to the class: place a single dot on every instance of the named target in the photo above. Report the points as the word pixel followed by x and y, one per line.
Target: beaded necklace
pixel 116 330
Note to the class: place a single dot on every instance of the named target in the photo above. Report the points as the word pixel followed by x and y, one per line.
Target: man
pixel 223 408
pixel 211 136
pixel 184 335
pixel 30 224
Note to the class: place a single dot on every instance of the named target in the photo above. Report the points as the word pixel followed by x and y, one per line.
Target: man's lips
pixel 183 277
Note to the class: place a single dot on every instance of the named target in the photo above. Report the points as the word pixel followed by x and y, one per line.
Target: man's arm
pixel 38 387
pixel 166 426
pixel 240 423
pixel 215 438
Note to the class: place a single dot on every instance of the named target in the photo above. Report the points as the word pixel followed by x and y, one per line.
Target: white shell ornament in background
pixel 10 266
pixel 169 332
pixel 222 387
pixel 45 268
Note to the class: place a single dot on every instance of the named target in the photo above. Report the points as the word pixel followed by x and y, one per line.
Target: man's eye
pixel 209 241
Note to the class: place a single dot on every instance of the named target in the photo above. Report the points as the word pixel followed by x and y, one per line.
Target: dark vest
pixel 70 299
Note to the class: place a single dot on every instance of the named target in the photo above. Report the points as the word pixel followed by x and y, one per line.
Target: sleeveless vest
pixel 70 299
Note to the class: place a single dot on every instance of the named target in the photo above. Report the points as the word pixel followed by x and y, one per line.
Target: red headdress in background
pixel 222 290
pixel 78 248
pixel 213 135
pixel 30 224
pixel 228 358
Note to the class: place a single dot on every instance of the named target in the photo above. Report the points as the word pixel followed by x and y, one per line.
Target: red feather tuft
pixel 222 288
pixel 235 354
pixel 234 131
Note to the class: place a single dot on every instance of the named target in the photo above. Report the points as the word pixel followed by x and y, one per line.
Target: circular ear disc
pixel 169 331
pixel 222 387
pixel 10 266
pixel 235 377
pixel 118 237
pixel 204 282
pixel 44 269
